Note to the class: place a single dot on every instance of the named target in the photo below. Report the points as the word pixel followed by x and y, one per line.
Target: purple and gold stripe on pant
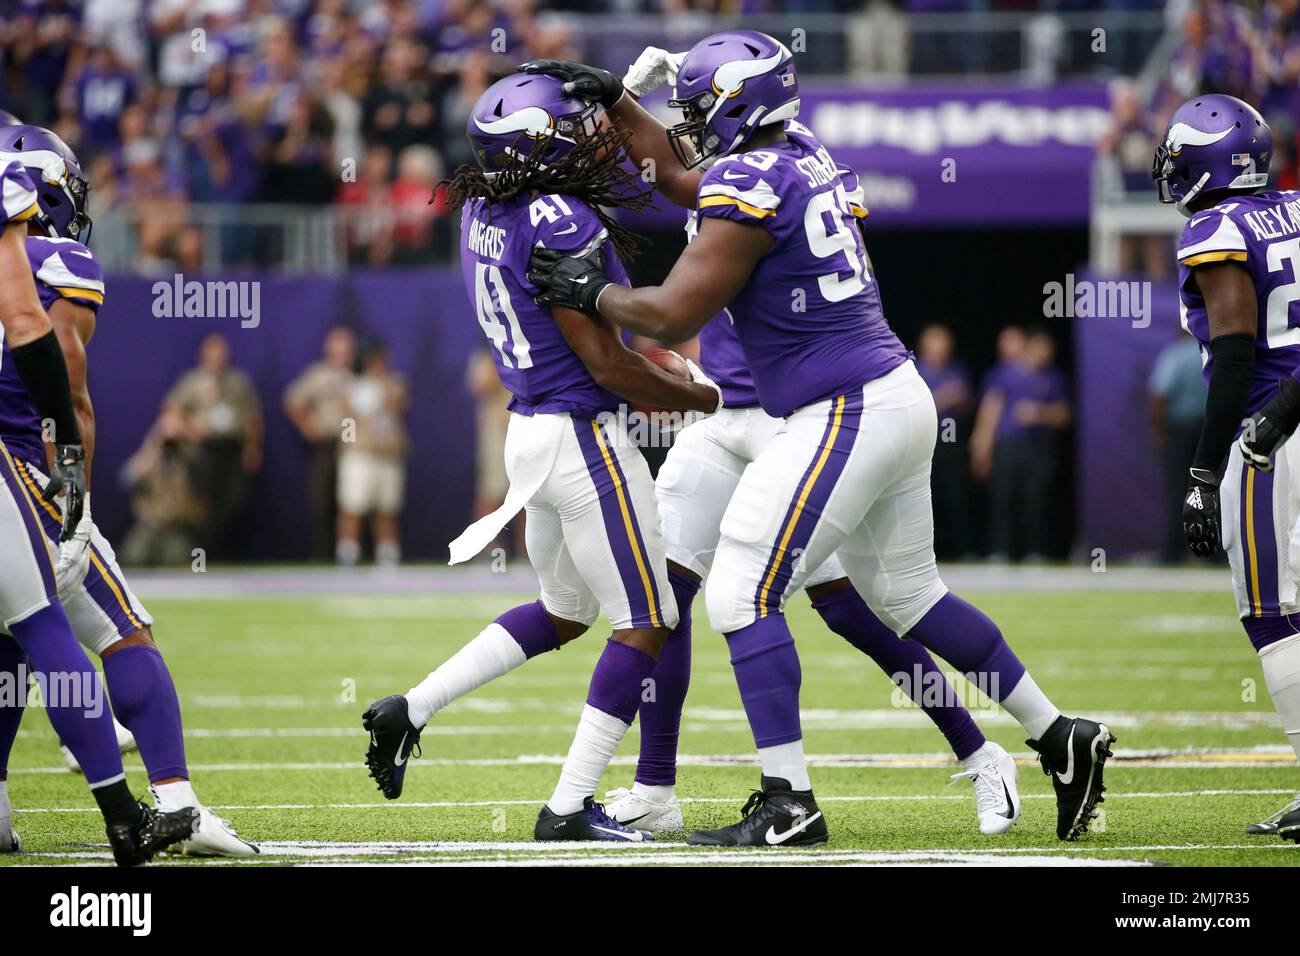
pixel 31 520
pixel 622 528
pixel 813 491
pixel 105 588
pixel 1259 542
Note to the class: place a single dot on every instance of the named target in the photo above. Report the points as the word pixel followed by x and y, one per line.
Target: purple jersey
pixel 63 269
pixel 809 320
pixel 532 356
pixel 1262 232
pixel 1016 384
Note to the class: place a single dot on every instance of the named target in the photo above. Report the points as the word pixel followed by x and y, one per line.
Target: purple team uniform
pixel 64 269
pixel 1262 233
pixel 599 483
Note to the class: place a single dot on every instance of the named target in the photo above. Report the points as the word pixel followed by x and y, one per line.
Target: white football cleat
pixel 9 842
pixel 214 836
pixel 632 809
pixel 997 801
pixel 125 743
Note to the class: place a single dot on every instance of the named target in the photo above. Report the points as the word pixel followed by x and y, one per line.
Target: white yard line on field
pixel 850 798
pixel 1266 755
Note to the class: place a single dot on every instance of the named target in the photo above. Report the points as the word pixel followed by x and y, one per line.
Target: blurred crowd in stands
pixel 1250 50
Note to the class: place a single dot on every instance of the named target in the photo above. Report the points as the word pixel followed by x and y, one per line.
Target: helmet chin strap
pixel 1182 204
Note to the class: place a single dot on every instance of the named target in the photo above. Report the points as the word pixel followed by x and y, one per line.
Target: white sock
pixel 786 761
pixel 598 736
pixel 1281 662
pixel 174 796
pixel 1030 706
pixel 388 553
pixel 655 793
pixel 489 656
pixel 978 759
pixel 347 552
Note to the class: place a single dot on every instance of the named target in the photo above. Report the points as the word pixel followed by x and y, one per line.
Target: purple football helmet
pixel 60 184
pixel 1215 144
pixel 728 86
pixel 515 113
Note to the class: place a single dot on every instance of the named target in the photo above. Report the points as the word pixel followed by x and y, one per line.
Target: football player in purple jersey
pixel 1239 285
pixel 849 474
pixel 545 169
pixel 105 615
pixel 29 604
pixel 693 488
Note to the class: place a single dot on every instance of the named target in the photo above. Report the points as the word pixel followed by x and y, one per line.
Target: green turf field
pixel 273 690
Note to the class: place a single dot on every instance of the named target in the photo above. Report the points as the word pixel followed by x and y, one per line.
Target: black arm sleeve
pixel 41 366
pixel 1225 406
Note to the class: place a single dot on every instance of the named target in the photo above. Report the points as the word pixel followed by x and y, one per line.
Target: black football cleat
pixel 392 738
pixel 1073 753
pixel 1288 828
pixel 589 823
pixel 773 816
pixel 1270 826
pixel 152 832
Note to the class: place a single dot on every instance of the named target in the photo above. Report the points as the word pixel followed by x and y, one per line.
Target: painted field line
pixel 851 798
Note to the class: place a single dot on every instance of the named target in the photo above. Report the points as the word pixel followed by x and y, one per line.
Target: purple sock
pixel 661 718
pixel 144 700
pixel 1264 631
pixel 75 700
pixel 768 675
pixel 12 667
pixel 966 638
pixel 907 663
pixel 619 679
pixel 532 629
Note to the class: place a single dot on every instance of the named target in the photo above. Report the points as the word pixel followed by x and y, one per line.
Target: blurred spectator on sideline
pixel 492 417
pixel 1126 152
pixel 419 205
pixel 372 461
pixel 167 513
pixel 950 385
pixel 370 226
pixel 1024 409
pixel 221 413
pixel 317 402
pixel 1176 391
pixel 98 96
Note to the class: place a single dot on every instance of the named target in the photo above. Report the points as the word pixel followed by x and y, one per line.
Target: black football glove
pixel 69 476
pixel 574 282
pixel 588 82
pixel 1270 427
pixel 1201 514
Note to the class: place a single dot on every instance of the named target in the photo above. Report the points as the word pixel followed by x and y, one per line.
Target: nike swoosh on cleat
pixel 634 836
pixel 1011 807
pixel 773 838
pixel 635 819
pixel 1067 778
pixel 400 745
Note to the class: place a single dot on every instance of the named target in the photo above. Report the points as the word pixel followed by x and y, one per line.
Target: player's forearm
pixel 21 314
pixel 635 378
pixel 650 142
pixel 649 311
pixel 1225 404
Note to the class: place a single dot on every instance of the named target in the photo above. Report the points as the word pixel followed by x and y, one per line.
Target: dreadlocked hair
pixel 593 171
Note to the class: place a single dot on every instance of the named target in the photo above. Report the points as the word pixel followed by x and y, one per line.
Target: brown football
pixel 670 362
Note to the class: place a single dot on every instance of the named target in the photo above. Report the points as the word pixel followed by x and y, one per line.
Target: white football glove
pixel 74 556
pixel 652 69
pixel 699 378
